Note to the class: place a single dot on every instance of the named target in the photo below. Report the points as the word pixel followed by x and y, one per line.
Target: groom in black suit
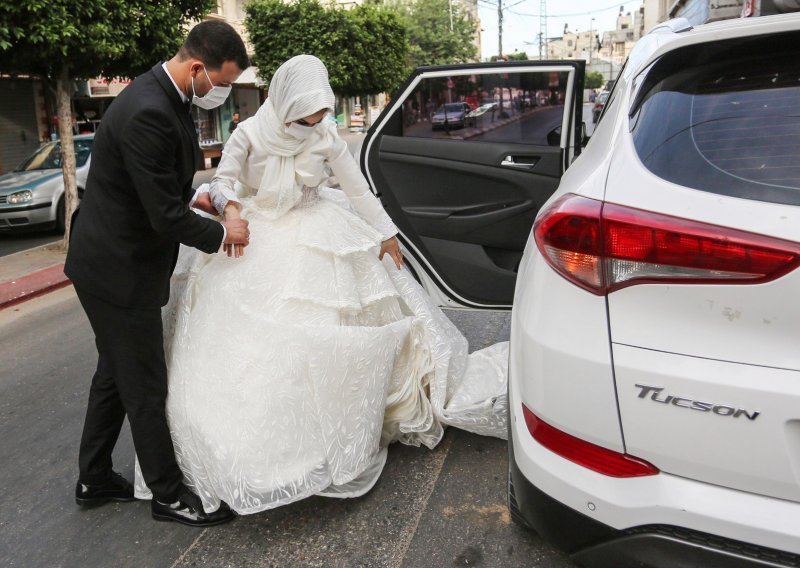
pixel 125 238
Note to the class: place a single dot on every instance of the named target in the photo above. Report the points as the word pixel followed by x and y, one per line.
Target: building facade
pixel 617 44
pixel 24 119
pixel 604 52
pixel 655 12
pixel 704 11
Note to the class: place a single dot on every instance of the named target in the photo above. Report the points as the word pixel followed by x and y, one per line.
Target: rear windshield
pixel 725 119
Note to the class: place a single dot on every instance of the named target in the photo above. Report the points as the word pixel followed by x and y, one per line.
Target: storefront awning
pixel 249 77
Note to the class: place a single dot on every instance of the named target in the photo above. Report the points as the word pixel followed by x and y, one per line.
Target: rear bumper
pixel 560 368
pixel 595 544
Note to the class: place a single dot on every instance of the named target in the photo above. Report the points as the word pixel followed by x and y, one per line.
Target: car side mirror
pixel 554 137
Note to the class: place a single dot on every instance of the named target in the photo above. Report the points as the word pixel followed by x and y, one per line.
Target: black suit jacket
pixel 134 212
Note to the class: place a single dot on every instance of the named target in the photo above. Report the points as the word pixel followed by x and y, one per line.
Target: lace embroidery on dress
pixel 309 197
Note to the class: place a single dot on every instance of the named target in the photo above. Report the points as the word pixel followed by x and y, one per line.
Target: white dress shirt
pixel 185 99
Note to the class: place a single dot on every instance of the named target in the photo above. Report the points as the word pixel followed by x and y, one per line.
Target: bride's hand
pixel 232 212
pixel 392 247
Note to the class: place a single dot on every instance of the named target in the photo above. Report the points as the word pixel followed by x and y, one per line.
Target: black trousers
pixel 131 378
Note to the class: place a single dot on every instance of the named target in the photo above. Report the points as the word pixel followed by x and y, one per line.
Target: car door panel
pixel 491 211
pixel 465 200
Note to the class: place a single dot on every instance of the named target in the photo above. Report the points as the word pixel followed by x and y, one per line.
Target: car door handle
pixel 520 162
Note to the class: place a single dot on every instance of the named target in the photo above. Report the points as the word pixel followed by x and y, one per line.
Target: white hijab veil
pixel 298 89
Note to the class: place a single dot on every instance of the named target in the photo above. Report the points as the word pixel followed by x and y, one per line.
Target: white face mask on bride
pixel 301 132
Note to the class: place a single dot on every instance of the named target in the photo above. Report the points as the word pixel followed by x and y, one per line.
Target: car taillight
pixel 603 247
pixel 591 456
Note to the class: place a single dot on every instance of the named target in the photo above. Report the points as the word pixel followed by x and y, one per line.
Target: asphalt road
pixel 532 128
pixel 445 507
pixel 17 242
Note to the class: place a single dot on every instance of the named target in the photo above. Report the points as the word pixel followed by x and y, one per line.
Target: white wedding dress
pixel 292 368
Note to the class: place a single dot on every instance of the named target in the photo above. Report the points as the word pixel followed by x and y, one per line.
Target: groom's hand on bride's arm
pixel 392 247
pixel 232 212
pixel 237 236
pixel 203 203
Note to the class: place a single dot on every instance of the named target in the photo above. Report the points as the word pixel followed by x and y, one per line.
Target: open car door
pixel 463 159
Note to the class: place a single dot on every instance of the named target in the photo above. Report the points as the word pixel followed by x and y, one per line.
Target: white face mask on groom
pixel 213 98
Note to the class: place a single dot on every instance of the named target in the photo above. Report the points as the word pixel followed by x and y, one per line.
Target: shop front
pixel 23 119
pixel 215 126
pixel 90 101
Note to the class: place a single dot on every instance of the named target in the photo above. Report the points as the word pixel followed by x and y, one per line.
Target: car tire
pixel 61 215
pixel 513 507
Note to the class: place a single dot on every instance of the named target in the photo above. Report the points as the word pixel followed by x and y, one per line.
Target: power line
pixel 569 15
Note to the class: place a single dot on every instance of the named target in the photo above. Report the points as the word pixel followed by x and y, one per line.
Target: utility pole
pixel 500 28
pixel 450 3
pixel 542 28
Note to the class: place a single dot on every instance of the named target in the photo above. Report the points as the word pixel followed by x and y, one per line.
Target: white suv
pixel 654 386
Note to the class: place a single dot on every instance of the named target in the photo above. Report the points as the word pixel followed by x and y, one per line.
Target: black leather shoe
pixel 188 510
pixel 117 488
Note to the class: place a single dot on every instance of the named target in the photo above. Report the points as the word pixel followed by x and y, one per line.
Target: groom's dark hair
pixel 215 42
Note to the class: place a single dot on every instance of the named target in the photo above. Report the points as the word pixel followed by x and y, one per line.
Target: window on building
pixel 207 124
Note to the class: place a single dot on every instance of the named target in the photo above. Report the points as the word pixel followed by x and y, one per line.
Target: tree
pixel 522 56
pixel 383 37
pixel 594 80
pixel 440 32
pixel 363 48
pixel 64 40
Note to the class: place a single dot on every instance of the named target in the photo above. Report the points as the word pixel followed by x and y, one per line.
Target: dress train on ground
pixel 292 368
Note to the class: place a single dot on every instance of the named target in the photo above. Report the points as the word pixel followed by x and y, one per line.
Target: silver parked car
pixel 450 115
pixel 32 196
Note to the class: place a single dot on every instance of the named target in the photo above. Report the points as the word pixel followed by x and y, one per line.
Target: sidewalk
pixel 27 274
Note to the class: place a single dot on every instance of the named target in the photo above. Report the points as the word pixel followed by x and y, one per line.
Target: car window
pixel 46 157
pixel 83 149
pixel 729 124
pixel 608 101
pixel 49 156
pixel 517 107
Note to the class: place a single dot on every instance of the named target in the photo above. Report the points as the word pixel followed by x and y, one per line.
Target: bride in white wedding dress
pixel 292 367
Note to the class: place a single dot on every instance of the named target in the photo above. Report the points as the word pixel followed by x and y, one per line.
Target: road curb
pixel 31 285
